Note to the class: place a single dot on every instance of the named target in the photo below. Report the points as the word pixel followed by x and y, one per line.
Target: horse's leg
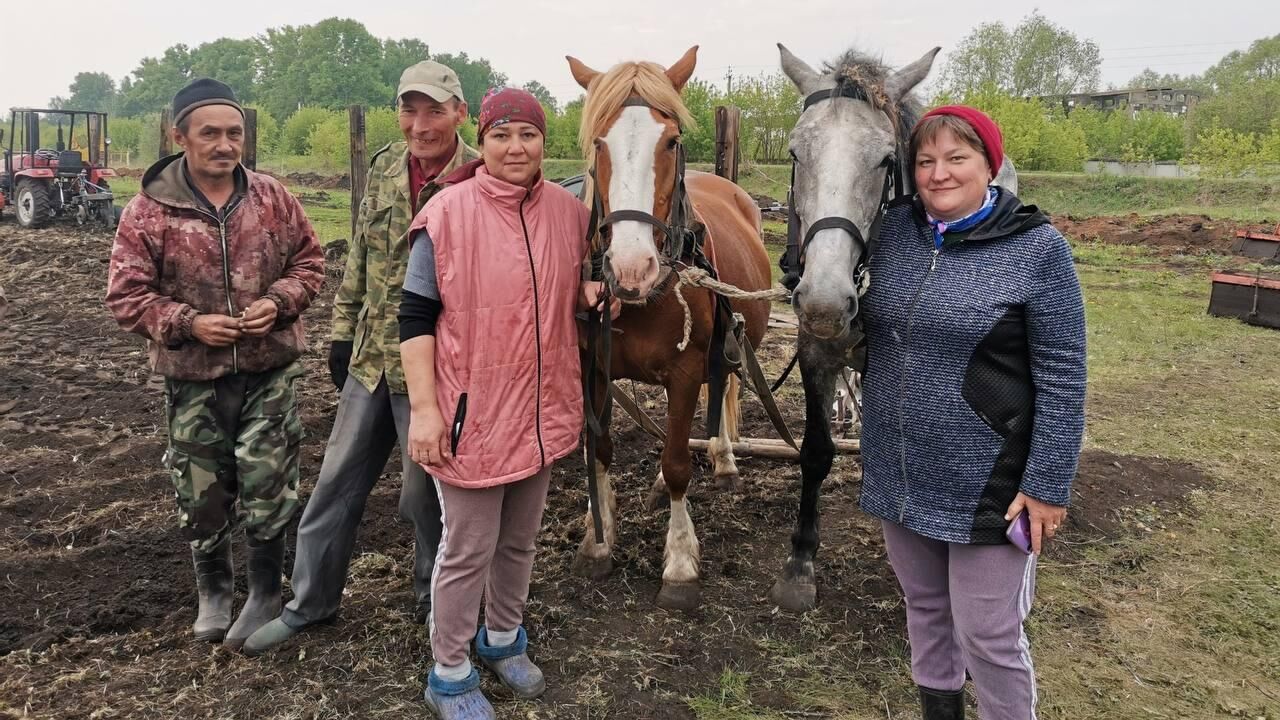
pixel 595 559
pixel 721 447
pixel 797 588
pixel 680 589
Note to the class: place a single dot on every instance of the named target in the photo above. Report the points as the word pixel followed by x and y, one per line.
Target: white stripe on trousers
pixel 1025 594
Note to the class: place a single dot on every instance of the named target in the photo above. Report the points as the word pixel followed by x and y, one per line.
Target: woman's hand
pixel 1045 518
pixel 428 437
pixel 591 293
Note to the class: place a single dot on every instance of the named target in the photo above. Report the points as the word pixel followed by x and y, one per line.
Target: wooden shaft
pixel 775 449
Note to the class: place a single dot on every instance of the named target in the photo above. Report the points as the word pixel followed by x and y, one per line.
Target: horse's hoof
pixel 794 596
pixel 657 499
pixel 729 481
pixel 680 596
pixel 592 568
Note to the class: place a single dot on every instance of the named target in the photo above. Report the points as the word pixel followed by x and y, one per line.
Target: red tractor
pixel 43 178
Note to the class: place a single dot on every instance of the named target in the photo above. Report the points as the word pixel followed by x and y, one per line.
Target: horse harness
pixel 685 238
pixel 792 261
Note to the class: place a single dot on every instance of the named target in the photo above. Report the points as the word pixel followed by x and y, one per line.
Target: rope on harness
pixel 697 277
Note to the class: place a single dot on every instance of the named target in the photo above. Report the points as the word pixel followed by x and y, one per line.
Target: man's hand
pixel 340 361
pixel 592 293
pixel 216 330
pixel 259 318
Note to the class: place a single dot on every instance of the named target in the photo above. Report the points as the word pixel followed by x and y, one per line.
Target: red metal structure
pixel 55 166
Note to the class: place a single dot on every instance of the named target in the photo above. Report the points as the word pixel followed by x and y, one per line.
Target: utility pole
pixel 729 81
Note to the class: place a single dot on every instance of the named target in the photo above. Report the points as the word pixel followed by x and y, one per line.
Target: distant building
pixel 1172 101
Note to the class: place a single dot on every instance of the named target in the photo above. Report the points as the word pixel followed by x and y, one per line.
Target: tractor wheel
pixel 33 203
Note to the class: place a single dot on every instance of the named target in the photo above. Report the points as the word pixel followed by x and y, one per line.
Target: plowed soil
pixel 97 592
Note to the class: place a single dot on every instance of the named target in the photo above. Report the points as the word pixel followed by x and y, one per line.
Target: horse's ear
pixel 903 81
pixel 800 73
pixel 583 74
pixel 680 73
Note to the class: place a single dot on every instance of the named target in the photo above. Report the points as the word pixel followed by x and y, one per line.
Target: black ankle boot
pixel 214 576
pixel 266 561
pixel 939 705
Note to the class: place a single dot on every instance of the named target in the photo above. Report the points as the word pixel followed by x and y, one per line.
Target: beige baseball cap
pixel 436 81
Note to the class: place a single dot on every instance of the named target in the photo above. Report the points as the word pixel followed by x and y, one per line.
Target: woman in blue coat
pixel 974 411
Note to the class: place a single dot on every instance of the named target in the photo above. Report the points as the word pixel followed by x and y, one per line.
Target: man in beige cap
pixel 364 362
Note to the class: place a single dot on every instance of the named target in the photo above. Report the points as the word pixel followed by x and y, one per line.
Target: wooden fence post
pixel 727 119
pixel 249 158
pixel 166 133
pixel 359 164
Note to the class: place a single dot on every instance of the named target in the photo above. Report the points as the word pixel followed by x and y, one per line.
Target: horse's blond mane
pixel 609 90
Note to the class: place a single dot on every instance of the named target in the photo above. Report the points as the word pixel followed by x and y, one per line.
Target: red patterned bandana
pixel 503 105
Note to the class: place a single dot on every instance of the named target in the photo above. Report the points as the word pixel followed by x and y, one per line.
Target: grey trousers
pixel 367 427
pixel 965 608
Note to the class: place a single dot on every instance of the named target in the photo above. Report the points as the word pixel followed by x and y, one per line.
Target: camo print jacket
pixel 367 303
pixel 173 259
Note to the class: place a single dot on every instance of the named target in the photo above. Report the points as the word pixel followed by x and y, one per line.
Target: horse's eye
pixel 673 143
pixel 792 153
pixel 888 161
pixel 597 142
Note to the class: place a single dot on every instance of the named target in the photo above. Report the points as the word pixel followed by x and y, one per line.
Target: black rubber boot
pixel 215 588
pixel 939 705
pixel 266 565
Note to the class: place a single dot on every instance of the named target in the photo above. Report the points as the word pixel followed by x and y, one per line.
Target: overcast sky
pixel 527 39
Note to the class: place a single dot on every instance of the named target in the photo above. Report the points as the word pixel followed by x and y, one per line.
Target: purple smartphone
pixel 1019 532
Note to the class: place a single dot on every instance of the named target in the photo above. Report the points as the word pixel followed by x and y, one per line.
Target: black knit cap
pixel 199 93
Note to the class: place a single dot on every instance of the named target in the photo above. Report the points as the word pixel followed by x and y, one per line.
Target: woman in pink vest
pixel 490 350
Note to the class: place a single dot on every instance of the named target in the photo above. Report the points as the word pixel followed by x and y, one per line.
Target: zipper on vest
pixel 537 333
pixel 902 384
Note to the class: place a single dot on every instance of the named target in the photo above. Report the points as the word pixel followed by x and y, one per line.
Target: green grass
pixel 1091 195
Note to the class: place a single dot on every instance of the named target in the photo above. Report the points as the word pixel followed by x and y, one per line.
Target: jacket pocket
pixel 459 419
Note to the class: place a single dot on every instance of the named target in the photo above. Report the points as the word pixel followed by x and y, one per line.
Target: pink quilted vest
pixel 508 377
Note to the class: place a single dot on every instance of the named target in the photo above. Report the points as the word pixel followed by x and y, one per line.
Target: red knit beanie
pixel 503 105
pixel 982 124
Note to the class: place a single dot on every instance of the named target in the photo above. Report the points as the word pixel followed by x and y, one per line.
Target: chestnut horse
pixel 631 133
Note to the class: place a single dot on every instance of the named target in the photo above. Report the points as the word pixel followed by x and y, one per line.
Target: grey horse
pixel 843 145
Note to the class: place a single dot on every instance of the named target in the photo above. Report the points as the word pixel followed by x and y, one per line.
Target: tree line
pixel 301 78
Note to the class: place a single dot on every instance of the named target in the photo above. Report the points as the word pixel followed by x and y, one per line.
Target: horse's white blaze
pixel 608 505
pixel 683 554
pixel 632 142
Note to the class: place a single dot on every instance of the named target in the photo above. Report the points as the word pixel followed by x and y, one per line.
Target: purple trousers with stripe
pixel 965 609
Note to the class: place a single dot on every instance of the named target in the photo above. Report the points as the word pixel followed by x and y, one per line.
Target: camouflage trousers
pixel 234 445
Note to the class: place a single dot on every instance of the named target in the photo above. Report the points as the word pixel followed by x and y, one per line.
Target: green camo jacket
pixel 365 308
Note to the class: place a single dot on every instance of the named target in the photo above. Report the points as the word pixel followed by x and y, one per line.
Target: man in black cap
pixel 214 265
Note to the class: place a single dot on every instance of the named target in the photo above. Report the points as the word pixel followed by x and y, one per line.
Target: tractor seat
pixel 70 163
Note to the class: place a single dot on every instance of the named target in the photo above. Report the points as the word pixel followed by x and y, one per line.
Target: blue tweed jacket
pixel 975 378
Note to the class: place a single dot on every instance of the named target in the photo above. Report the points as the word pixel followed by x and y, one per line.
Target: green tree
pixel 340 62
pixel 700 140
pixel 476 77
pixel 1036 57
pixel 562 131
pixel 234 62
pixel 268 130
pixel 156 81
pixel 89 91
pixel 397 55
pixel 126 134
pixel 544 96
pixel 296 133
pixel 770 106
pixel 1222 152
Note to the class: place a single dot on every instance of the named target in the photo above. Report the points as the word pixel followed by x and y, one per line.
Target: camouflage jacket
pixel 172 259
pixel 365 308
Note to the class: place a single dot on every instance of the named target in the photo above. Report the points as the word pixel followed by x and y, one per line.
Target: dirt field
pixel 97 593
